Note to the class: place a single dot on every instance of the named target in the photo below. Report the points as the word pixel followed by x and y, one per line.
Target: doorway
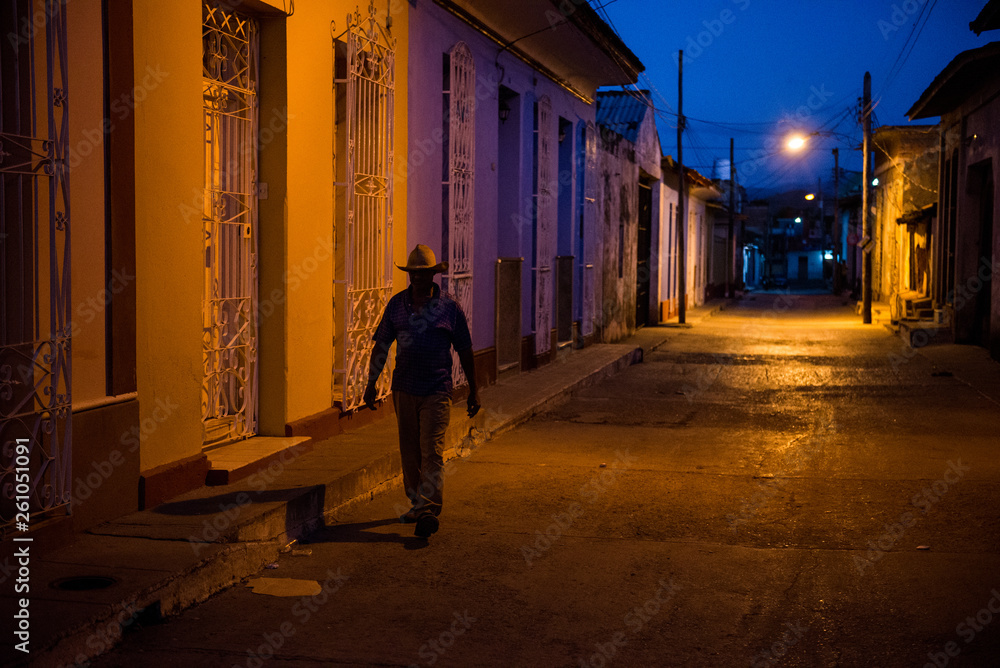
pixel 644 245
pixel 981 191
pixel 229 85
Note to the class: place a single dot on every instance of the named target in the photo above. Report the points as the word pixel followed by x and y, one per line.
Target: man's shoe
pixel 427 524
pixel 409 517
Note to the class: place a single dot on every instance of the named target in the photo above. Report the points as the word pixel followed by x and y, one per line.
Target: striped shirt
pixel 423 341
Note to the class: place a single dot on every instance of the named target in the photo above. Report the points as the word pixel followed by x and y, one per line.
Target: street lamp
pixel 796 142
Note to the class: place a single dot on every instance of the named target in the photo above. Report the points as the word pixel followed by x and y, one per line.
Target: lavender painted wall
pixel 433 32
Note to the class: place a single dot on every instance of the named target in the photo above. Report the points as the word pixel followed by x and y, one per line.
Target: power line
pixel 894 71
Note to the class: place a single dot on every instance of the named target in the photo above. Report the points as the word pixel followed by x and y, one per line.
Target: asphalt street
pixel 778 485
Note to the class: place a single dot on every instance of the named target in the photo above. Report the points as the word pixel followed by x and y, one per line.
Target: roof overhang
pixel 567 41
pixel 922 215
pixel 957 81
pixel 988 19
pixel 698 185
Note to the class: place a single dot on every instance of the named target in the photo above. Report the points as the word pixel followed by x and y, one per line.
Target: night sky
pixel 757 69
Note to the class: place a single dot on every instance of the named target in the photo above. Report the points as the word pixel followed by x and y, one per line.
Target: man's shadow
pixel 360 532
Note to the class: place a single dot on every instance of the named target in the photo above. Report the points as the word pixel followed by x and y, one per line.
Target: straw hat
pixel 422 257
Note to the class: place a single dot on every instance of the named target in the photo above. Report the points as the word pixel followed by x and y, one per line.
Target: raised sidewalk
pixel 170 557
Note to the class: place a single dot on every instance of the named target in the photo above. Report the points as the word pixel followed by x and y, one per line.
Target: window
pixel 458 178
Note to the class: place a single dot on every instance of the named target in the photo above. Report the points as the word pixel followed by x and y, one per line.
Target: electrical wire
pixel 894 71
pixel 838 114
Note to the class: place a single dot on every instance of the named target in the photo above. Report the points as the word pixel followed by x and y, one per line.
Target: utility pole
pixel 866 221
pixel 837 247
pixel 681 203
pixel 731 253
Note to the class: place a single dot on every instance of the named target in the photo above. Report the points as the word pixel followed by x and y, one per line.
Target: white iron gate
pixel 460 90
pixel 363 231
pixel 35 402
pixel 544 229
pixel 229 388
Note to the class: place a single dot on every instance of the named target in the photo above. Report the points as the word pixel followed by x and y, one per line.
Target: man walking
pixel 425 324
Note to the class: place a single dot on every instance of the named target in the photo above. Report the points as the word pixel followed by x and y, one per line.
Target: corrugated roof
pixel 623 111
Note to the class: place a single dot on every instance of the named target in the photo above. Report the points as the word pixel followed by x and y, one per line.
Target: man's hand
pixel 473 404
pixel 370 394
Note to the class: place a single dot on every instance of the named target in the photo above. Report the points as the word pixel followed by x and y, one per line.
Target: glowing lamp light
pixel 828 255
pixel 798 220
pixel 796 142
pixel 810 197
pixel 875 181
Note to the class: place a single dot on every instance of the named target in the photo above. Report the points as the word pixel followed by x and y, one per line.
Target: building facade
pixel 502 168
pixel 966 238
pixel 906 166
pixel 697 243
pixel 227 237
pixel 238 178
pixel 630 191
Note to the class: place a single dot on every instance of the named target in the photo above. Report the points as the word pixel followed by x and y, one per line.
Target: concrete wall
pixel 618 201
pixel 105 458
pixel 86 177
pixel 698 247
pixel 906 165
pixel 169 248
pixel 667 250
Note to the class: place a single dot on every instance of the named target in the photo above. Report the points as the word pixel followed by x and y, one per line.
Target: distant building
pixel 798 242
pixel 906 169
pixel 629 189
pixel 698 240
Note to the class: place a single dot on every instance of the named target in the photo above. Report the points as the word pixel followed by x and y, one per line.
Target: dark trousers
pixel 422 422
